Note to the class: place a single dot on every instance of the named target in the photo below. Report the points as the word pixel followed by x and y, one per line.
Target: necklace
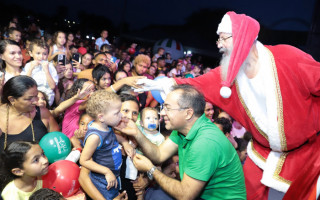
pixel 7 125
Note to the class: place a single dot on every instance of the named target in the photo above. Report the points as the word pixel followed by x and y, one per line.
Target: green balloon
pixel 56 146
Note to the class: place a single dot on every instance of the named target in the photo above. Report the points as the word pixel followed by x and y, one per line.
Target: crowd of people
pixel 61 82
pixel 187 142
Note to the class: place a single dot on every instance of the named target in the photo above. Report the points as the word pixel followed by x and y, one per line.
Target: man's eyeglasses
pixel 222 39
pixel 169 109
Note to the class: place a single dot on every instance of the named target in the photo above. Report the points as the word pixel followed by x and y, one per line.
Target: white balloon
pixel 171 46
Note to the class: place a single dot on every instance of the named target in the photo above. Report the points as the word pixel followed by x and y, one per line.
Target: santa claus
pixel 273 91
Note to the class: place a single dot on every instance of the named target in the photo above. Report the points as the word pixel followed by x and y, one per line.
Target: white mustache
pixel 222 50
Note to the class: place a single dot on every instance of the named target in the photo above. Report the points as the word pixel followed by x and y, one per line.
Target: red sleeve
pixel 300 65
pixel 209 84
pixel 310 77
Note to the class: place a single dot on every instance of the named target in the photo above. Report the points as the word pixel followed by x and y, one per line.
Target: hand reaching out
pixel 127 127
pixel 77 65
pixel 147 85
pixel 84 92
pixel 133 80
pixel 142 163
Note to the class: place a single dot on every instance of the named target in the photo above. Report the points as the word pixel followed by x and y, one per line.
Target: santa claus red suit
pixel 280 106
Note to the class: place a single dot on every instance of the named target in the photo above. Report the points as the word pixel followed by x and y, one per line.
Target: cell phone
pixel 62 59
pixel 76 57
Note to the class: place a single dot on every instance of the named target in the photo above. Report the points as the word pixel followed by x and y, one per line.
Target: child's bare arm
pixel 75 142
pixel 92 142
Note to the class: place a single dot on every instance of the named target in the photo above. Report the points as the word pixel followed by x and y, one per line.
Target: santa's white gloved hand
pixel 163 85
pixel 147 85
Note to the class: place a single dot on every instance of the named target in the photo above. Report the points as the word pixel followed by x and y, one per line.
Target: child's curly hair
pixel 99 102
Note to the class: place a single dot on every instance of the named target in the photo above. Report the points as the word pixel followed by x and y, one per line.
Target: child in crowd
pixel 225 126
pixel 14 34
pixel 43 101
pixel 102 152
pixel 118 75
pixel 86 60
pixel 22 162
pixel 72 114
pixel 59 45
pixel 46 194
pixel 43 72
pixel 176 72
pixel 101 77
pixel 77 139
pixel 65 82
pixel 102 40
pixel 126 66
pixel 149 123
pixel 70 39
pixel 196 71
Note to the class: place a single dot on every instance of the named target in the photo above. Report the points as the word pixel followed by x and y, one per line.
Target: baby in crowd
pixel 149 124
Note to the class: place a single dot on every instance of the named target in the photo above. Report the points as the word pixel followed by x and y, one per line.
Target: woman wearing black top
pixel 20 118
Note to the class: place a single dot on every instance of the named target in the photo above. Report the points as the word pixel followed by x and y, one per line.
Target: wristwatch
pixel 150 172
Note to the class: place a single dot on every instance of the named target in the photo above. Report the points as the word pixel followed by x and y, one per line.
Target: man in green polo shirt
pixel 209 165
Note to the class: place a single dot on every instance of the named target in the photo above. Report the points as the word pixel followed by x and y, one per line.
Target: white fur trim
pixel 269 167
pixel 271 99
pixel 268 173
pixel 258 161
pixel 225 25
pixel 259 95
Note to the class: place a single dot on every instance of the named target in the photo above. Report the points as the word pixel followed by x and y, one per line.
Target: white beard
pixel 224 62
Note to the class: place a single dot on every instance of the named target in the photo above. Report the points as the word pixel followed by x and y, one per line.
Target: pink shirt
pixel 71 118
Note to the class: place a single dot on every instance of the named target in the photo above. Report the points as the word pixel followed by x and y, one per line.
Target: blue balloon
pixel 156 93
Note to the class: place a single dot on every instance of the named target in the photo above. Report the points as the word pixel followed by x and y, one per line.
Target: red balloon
pixel 132 51
pixel 62 177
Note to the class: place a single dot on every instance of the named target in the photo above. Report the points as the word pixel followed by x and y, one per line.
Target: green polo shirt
pixel 206 154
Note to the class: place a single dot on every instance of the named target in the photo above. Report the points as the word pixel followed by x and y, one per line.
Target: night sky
pixel 274 14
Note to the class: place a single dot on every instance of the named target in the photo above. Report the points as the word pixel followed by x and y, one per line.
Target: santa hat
pixel 244 30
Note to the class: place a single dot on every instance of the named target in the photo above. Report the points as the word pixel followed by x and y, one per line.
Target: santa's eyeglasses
pixel 222 39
